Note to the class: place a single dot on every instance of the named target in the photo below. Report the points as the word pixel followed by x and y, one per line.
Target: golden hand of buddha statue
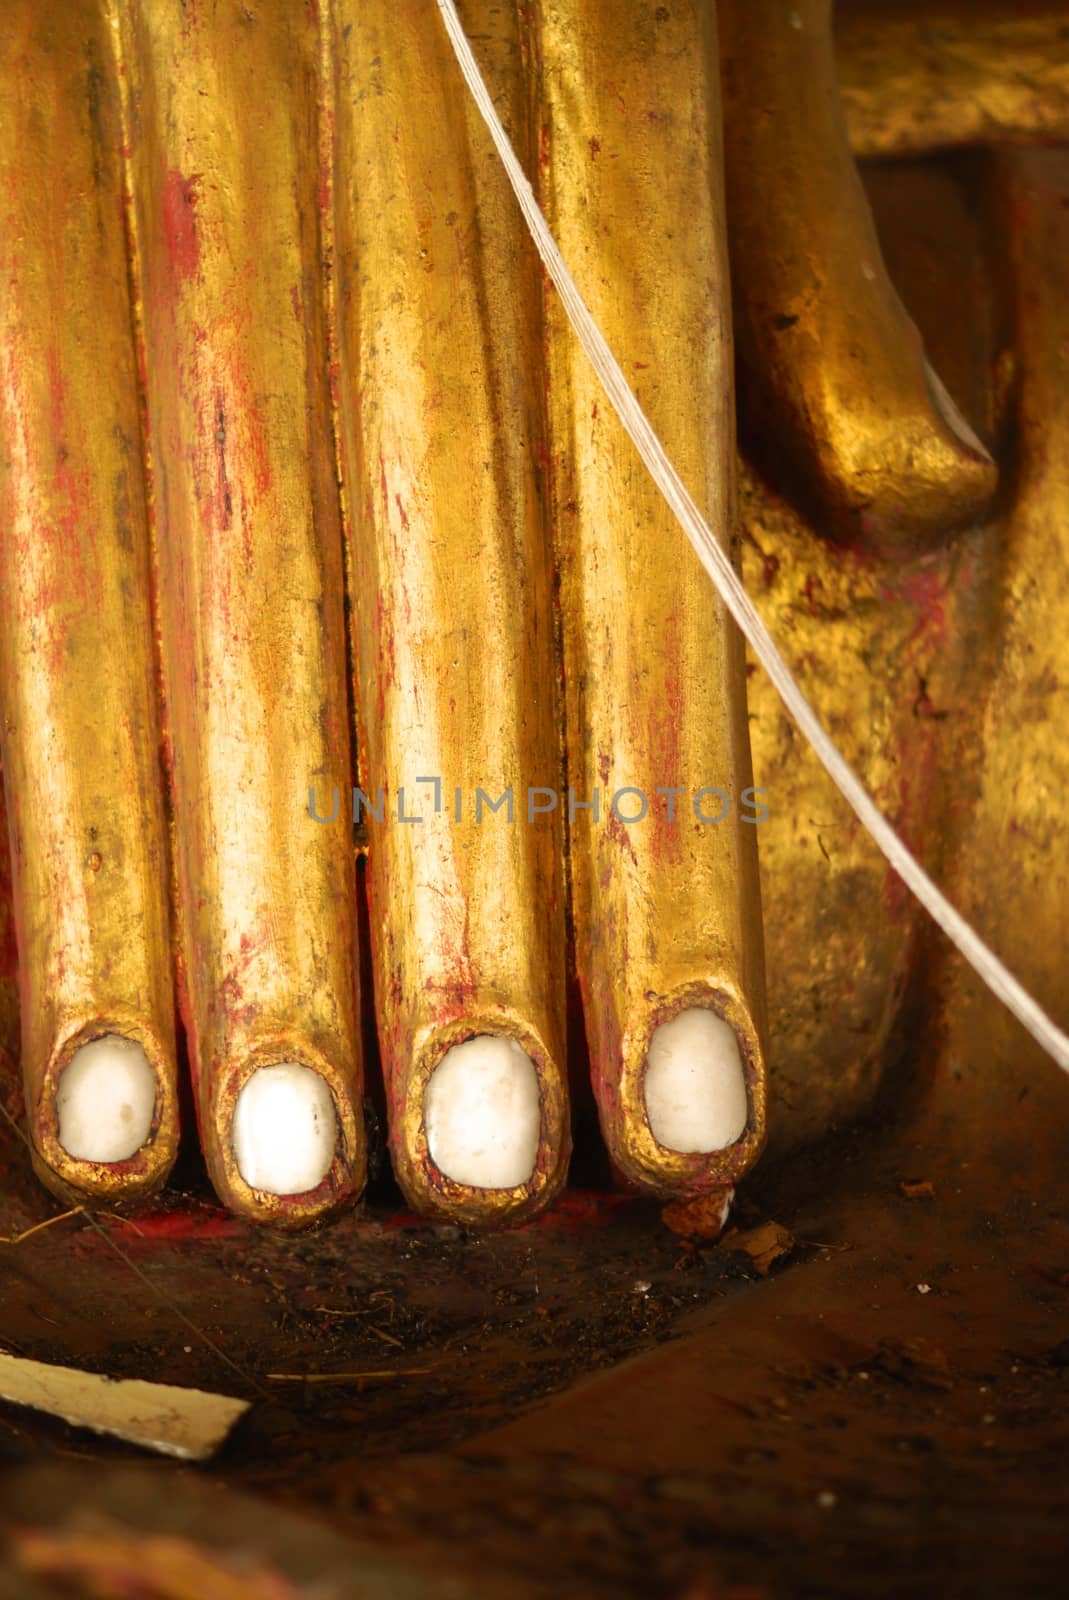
pixel 312 515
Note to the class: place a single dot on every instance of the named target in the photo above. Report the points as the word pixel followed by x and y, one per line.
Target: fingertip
pixel 106 1100
pixel 284 1130
pixel 695 1083
pixel 482 1113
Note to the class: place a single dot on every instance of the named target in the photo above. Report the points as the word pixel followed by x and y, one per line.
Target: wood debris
pixel 702 1217
pixel 766 1244
pixel 188 1423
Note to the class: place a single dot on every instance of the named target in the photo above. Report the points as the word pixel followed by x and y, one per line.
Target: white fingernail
pixel 695 1085
pixel 285 1130
pixel 105 1100
pixel 482 1113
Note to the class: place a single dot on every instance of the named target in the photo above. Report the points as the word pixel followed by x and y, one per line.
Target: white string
pixel 718 565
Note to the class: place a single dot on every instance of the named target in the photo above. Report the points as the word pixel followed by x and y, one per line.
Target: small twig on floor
pixel 344 1377
pixel 369 1327
pixel 38 1227
pixel 127 1222
pixel 387 1338
pixel 385 1295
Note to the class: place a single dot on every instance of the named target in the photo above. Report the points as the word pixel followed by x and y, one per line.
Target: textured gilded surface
pixel 250 592
pixel 284 227
pixel 76 662
pixel 1007 836
pixel 441 370
pixel 667 910
pixel 917 75
pixel 834 377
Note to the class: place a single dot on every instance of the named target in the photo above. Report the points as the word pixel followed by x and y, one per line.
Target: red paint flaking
pixel 810 592
pixel 179 224
pixel 620 834
pixel 927 592
pixel 177 1227
pixel 583 1209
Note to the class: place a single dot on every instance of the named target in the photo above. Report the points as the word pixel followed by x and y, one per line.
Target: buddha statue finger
pixel 662 813
pixel 838 397
pixel 77 669
pixel 438 299
pixel 221 120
